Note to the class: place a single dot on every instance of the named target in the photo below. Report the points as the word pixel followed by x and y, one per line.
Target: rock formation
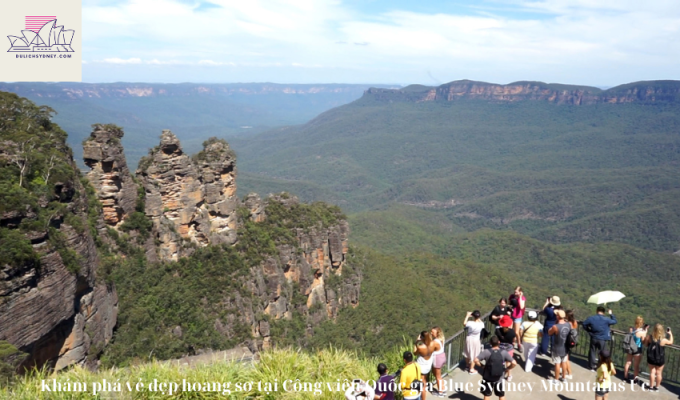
pixel 109 174
pixel 187 199
pixel 192 202
pixel 313 268
pixel 55 304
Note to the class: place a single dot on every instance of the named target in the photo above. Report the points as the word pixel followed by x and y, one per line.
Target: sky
pixel 589 42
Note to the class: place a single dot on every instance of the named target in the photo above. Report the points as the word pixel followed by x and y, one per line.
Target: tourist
pixel 423 350
pixel 559 332
pixel 409 379
pixel 473 343
pixel 600 333
pixel 439 358
pixel 639 333
pixel 359 390
pixel 506 337
pixel 656 357
pixel 496 363
pixel 384 389
pixel 518 303
pixel 550 320
pixel 530 331
pixel 500 310
pixel 605 371
pixel 572 339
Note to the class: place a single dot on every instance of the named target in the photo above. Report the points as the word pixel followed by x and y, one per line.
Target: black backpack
pixel 655 353
pixel 494 367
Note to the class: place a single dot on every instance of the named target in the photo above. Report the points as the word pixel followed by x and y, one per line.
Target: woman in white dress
pixel 473 342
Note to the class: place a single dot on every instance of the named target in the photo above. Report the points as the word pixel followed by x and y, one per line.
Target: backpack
pixel 629 345
pixel 572 339
pixel 494 367
pixel 655 354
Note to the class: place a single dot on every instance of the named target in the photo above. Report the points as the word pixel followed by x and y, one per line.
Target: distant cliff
pixel 644 92
pixel 130 90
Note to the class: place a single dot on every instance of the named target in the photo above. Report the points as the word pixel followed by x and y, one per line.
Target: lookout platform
pixel 534 385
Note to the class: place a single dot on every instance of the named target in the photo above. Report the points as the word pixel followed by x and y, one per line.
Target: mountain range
pixel 195 112
pixel 556 162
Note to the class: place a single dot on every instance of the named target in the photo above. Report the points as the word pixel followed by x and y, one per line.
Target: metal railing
pixel 671 371
pixel 455 346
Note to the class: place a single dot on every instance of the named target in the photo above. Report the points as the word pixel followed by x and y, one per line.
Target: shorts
pixel 637 353
pixel 601 392
pixel 560 360
pixel 439 360
pixel 496 387
pixel 518 320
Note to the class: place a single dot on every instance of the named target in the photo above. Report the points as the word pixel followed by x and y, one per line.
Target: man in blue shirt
pixel 600 333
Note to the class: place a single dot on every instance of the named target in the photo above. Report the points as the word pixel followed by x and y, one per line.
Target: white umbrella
pixel 608 296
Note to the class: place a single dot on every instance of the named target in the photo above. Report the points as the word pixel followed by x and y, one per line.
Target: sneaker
pixel 552 381
pixel 569 377
pixel 509 378
pixel 654 389
pixel 473 372
pixel 440 394
pixel 562 380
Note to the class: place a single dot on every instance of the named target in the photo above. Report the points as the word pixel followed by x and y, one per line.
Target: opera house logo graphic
pixel 42 35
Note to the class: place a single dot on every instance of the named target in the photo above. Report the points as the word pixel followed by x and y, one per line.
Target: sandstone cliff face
pixel 109 174
pixel 311 271
pixel 537 91
pixel 58 317
pixel 192 200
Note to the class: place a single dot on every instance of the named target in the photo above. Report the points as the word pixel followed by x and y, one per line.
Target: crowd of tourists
pixel 515 339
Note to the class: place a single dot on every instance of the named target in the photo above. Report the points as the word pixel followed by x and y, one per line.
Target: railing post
pixel 448 357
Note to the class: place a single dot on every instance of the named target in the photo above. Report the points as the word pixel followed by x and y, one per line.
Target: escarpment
pixel 54 303
pixel 641 92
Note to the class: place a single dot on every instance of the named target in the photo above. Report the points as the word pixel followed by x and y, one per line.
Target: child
pixel 605 371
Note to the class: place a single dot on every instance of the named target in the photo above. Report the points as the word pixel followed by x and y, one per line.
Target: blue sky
pixel 592 42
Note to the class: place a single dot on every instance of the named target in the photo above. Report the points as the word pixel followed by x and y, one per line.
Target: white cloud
pixel 215 63
pixel 122 61
pixel 554 40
